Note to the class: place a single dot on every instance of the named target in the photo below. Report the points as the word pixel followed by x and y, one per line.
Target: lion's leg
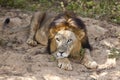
pixel 64 63
pixel 34 26
pixel 88 61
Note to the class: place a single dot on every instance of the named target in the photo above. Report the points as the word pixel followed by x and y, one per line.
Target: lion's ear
pixel 81 34
pixel 52 32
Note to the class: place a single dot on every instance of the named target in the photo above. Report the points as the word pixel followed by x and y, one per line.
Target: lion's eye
pixel 57 39
pixel 69 40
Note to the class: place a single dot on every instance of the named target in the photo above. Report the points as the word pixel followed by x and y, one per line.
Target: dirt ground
pixel 19 61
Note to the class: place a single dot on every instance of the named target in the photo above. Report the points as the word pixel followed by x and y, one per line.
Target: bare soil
pixel 19 61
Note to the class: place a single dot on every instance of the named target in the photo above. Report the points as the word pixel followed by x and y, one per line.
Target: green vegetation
pixel 52 58
pixel 98 9
pixel 114 53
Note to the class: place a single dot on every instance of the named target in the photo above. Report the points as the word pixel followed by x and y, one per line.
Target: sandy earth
pixel 19 61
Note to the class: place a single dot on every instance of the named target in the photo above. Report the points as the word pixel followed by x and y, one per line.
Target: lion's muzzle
pixel 63 51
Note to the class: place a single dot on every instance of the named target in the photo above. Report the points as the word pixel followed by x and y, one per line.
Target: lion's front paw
pixel 31 42
pixel 64 63
pixel 91 65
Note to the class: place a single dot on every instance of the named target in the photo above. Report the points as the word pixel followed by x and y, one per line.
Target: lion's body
pixel 39 33
pixel 64 35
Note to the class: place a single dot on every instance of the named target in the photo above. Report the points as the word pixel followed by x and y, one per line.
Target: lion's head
pixel 65 40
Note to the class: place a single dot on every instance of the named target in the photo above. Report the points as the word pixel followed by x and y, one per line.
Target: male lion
pixel 64 35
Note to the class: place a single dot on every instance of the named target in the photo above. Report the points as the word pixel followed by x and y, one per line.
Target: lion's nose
pixel 61 52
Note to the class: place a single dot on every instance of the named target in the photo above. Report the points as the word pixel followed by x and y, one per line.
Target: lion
pixel 64 35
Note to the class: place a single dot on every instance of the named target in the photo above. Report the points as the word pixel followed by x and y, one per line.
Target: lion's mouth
pixel 61 55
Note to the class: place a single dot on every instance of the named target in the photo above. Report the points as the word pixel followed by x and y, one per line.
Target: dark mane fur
pixel 66 15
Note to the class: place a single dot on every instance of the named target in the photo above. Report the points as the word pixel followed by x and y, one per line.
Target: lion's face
pixel 64 40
